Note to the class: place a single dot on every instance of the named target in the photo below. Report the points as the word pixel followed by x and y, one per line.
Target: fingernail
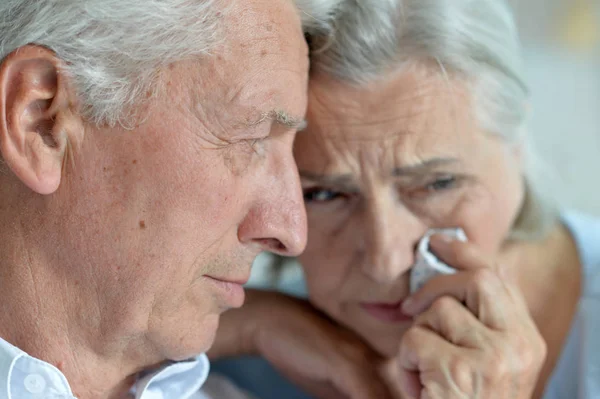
pixel 440 240
pixel 408 306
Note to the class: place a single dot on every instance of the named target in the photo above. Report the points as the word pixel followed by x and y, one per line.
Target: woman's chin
pixel 386 343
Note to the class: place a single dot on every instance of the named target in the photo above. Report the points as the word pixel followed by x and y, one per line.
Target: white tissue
pixel 427 265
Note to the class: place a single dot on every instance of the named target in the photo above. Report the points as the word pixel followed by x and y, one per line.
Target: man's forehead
pixel 261 19
pixel 260 74
pixel 268 29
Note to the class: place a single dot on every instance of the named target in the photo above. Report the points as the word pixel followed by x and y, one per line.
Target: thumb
pixel 410 384
pixel 402 383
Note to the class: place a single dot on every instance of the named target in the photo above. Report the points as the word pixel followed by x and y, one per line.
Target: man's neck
pixel 53 323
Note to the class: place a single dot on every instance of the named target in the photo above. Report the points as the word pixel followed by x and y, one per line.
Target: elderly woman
pixel 416 121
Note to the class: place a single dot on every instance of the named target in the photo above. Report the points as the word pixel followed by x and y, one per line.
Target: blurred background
pixel 561 47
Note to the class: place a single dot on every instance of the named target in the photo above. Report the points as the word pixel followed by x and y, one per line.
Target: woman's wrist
pixel 239 329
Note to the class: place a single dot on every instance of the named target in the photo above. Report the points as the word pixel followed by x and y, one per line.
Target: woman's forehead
pixel 410 118
pixel 404 106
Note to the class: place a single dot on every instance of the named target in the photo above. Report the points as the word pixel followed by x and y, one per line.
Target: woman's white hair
pixel 112 49
pixel 472 40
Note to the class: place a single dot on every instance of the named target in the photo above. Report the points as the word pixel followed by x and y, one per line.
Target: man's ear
pixel 34 117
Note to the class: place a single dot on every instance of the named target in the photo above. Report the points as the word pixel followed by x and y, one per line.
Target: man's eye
pixel 320 195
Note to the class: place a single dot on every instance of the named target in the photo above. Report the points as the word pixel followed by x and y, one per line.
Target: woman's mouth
pixel 386 312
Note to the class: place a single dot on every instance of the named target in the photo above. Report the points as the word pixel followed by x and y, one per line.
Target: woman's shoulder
pixel 577 375
pixel 585 230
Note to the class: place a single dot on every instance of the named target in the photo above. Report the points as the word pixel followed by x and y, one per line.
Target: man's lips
pixel 386 312
pixel 239 280
pixel 230 289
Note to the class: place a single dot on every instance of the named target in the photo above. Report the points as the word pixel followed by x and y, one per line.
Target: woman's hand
pixel 473 336
pixel 324 359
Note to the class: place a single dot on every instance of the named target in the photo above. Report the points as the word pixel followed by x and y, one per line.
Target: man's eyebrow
pixel 423 167
pixel 282 118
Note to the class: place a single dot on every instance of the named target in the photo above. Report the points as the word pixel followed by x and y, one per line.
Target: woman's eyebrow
pixel 407 170
pixel 333 179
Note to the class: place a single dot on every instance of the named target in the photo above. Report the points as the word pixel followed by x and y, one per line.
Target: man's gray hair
pixel 112 49
pixel 472 40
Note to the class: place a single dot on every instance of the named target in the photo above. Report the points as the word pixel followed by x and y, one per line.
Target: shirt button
pixel 35 383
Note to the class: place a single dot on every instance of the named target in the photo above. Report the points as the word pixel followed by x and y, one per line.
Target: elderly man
pixel 146 148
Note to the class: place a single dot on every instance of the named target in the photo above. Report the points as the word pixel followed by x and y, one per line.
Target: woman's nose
pixel 391 234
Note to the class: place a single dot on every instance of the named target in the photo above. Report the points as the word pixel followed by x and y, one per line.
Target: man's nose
pixel 277 220
pixel 391 234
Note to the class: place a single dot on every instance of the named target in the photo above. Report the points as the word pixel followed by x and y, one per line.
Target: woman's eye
pixel 320 195
pixel 441 184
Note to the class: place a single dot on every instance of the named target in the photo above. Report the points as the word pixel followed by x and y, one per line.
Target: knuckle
pixel 539 345
pixel 462 374
pixel 528 360
pixel 533 353
pixel 410 338
pixel 542 349
pixel 484 278
pixel 500 363
pixel 500 367
pixel 444 305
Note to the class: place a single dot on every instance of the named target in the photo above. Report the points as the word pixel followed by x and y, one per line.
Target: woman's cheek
pixel 486 224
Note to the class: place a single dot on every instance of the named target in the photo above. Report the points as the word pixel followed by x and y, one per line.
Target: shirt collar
pixel 174 380
pixel 25 377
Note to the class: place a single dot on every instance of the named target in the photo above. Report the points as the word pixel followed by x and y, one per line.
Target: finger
pixel 466 256
pixel 451 320
pixel 480 290
pixel 488 277
pixel 442 367
pixel 459 254
pixel 410 384
pixel 424 351
pixel 389 371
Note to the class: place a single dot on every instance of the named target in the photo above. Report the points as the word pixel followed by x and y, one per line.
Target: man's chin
pixel 197 341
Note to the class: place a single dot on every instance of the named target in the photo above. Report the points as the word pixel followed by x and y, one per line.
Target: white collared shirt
pixel 25 377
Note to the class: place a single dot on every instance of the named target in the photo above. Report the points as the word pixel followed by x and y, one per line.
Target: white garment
pixel 427 265
pixel 577 374
pixel 25 377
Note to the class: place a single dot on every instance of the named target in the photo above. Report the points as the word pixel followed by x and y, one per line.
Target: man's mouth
pixel 230 289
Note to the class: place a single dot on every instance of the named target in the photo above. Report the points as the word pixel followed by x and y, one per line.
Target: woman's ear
pixel 34 116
